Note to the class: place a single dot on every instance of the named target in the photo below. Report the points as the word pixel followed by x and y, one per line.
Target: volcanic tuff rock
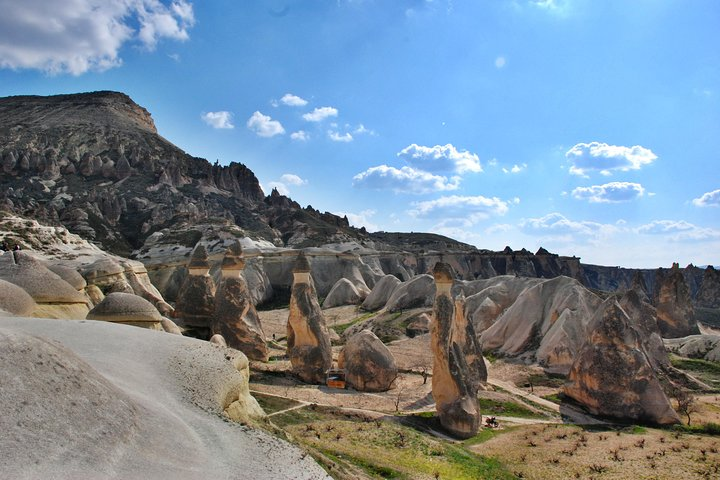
pixel 381 292
pixel 127 308
pixel 343 293
pixel 195 304
pixel 709 293
pixel 454 384
pixel 15 300
pixel 369 365
pixel 416 292
pixel 706 347
pixel 464 335
pixel 308 340
pixel 675 312
pixel 612 376
pixel 235 316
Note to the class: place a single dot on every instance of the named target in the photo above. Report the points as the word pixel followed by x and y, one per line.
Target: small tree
pixel 686 402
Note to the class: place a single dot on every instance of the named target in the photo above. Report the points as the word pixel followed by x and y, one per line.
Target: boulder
pixel 419 325
pixel 70 275
pixel 127 308
pixel 169 326
pixel 612 375
pixel 342 293
pixel 235 317
pixel 369 366
pixel 416 292
pixel 15 300
pixel 308 340
pixel 381 293
pixel 675 312
pixel 454 386
pixel 219 340
pixel 55 298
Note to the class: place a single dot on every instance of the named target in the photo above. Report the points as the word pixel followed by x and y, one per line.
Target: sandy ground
pixel 175 386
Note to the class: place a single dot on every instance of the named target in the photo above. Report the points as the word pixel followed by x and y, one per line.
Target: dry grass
pixel 562 452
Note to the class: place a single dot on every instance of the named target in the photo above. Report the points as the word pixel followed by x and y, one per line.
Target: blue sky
pixel 589 128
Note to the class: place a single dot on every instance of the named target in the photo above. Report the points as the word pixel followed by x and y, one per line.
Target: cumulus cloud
pixel 320 114
pixel 300 135
pixel 338 137
pixel 604 158
pixel 613 192
pixel 221 119
pixel 361 130
pixel 264 126
pixel 75 36
pixel 500 62
pixel 465 210
pixel 293 100
pixel 515 168
pixel 679 230
pixel 709 199
pixel 558 224
pixel 292 179
pixel 441 158
pixel 404 180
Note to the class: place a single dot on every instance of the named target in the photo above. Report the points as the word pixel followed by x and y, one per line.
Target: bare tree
pixel 686 402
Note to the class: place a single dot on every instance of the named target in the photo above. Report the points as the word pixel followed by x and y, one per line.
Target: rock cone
pixel 195 304
pixel 675 312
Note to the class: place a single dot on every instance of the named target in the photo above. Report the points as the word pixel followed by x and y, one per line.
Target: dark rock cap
pixel 233 259
pixel 442 272
pixel 199 257
pixel 302 264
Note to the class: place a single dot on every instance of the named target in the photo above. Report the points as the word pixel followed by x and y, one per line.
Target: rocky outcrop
pixel 381 293
pixel 454 385
pixel 55 298
pixel 416 292
pixel 706 347
pixel 709 293
pixel 127 308
pixel 195 305
pixel 643 318
pixel 342 293
pixel 547 324
pixel 369 366
pixel 675 312
pixel 612 375
pixel 308 340
pixel 464 335
pixel 15 300
pixel 419 325
pixel 235 316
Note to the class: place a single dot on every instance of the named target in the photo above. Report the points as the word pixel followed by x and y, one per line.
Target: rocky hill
pixel 95 164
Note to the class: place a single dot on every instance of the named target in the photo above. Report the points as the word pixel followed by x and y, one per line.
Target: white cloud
pixel 74 36
pixel 280 187
pixel 361 219
pixel 515 168
pixel 264 126
pixel 292 179
pixel 293 100
pixel 500 62
pixel 709 199
pixel 404 180
pixel 221 119
pixel 679 231
pixel 361 130
pixel 337 137
pixel 556 223
pixel 320 114
pixel 457 209
pixel 605 158
pixel 440 158
pixel 613 192
pixel 300 135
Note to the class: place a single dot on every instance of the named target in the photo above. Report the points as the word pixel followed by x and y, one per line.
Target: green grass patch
pixel 708 372
pixel 340 329
pixel 555 398
pixel 507 409
pixel 373 470
pixel 272 404
pixel 541 380
pixel 486 434
pixel 699 429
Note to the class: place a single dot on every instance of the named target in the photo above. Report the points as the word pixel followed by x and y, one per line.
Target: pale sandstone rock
pixel 612 375
pixel 416 292
pixel 235 317
pixel 369 366
pixel 218 339
pixel 342 293
pixel 308 341
pixel 169 326
pixel 454 387
pixel 381 293
pixel 127 308
pixel 15 300
pixel 419 325
pixel 706 347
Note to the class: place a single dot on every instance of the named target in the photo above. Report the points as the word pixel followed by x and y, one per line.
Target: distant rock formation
pixel 128 309
pixel 675 312
pixel 369 366
pixel 235 316
pixel 709 293
pixel 416 292
pixel 343 293
pixel 381 293
pixel 195 305
pixel 612 375
pixel 308 340
pixel 454 385
pixel 706 347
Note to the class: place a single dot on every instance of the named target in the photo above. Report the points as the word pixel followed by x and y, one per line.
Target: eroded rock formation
pixel 129 309
pixel 195 305
pixel 308 340
pixel 612 375
pixel 235 316
pixel 381 293
pixel 369 365
pixel 454 386
pixel 675 312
